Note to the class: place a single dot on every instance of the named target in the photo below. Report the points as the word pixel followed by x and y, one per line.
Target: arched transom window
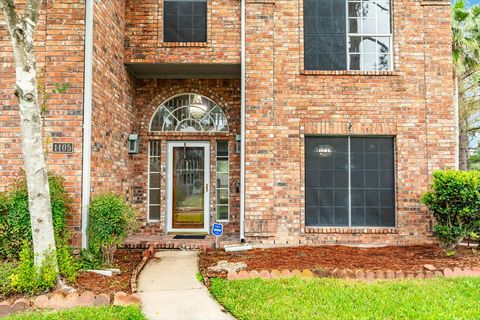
pixel 189 112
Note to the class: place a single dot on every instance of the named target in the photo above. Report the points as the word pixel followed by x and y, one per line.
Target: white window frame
pixel 227 157
pixel 386 35
pixel 148 180
pixel 206 217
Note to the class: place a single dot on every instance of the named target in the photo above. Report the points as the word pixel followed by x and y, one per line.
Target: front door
pixel 188 187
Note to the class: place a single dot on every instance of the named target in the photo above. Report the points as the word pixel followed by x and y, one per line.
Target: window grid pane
pixel 349 181
pixel 185 21
pixel 325 34
pixel 223 182
pixel 333 30
pixel 369 35
pixel 154 177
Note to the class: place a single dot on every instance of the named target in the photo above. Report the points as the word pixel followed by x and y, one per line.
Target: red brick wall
pixel 113 107
pixel 149 95
pixel 284 103
pixel 412 103
pixel 59 50
pixel 144 35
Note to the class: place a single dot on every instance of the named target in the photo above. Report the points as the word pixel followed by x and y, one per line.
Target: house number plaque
pixel 63 148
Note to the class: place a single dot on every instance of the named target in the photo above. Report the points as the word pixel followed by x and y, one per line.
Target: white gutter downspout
pixel 87 118
pixel 242 129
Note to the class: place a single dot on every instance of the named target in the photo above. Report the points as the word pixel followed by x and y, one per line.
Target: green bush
pixel 25 279
pixel 6 270
pixel 111 219
pixel 15 216
pixel 454 200
pixel 16 239
pixel 68 266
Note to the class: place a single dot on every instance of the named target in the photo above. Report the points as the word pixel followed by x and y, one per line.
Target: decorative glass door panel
pixel 188 184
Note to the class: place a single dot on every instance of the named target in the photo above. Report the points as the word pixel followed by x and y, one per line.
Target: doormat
pixel 192 237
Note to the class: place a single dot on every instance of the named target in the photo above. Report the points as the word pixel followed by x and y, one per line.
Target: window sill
pixel 185 44
pixel 348 73
pixel 346 230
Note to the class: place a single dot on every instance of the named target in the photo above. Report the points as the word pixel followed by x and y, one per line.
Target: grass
pixel 348 299
pixel 90 313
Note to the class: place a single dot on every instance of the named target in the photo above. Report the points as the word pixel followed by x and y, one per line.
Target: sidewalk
pixel 170 290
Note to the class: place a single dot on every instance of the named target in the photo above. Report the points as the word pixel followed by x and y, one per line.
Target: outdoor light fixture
pixel 133 143
pixel 324 151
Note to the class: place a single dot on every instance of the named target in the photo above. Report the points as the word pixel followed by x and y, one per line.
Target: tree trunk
pixel 463 146
pixel 22 32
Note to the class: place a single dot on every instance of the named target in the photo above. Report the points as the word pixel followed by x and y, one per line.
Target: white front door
pixel 188 194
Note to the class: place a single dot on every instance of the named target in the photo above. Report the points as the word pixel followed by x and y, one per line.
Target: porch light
pixel 197 109
pixel 133 144
pixel 324 151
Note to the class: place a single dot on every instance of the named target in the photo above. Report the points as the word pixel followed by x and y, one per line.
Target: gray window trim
pixel 395 206
pixel 206 21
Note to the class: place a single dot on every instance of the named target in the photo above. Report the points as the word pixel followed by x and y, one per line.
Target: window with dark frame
pixel 349 182
pixel 185 21
pixel 347 35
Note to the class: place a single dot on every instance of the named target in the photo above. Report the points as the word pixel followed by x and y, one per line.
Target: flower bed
pixel 328 258
pixel 126 261
pixel 92 289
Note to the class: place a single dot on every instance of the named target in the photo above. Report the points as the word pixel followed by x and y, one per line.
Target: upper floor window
pixel 348 35
pixel 185 21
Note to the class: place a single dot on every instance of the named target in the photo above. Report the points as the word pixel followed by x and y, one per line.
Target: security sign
pixel 217 229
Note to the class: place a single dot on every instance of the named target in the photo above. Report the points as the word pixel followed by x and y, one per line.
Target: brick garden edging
pixel 147 255
pixel 358 274
pixel 58 301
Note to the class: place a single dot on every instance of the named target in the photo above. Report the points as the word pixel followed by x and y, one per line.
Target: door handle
pixel 206 188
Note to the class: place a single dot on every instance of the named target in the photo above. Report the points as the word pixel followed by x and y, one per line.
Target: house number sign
pixel 63 148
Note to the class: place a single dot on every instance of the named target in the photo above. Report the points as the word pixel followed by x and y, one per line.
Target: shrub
pixel 111 219
pixel 6 269
pixel 25 279
pixel 68 266
pixel 15 215
pixel 454 200
pixel 16 234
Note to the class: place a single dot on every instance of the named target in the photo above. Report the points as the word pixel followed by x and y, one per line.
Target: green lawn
pixel 91 313
pixel 348 299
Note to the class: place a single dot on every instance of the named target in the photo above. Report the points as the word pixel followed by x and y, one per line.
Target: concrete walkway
pixel 170 290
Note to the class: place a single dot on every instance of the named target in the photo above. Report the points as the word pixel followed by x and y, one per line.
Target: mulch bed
pixel 124 260
pixel 395 258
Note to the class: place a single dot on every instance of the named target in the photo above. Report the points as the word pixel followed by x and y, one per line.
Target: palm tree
pixel 466 61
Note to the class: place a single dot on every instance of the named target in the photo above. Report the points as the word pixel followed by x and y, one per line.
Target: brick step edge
pixel 59 301
pixel 147 255
pixel 357 274
pixel 175 245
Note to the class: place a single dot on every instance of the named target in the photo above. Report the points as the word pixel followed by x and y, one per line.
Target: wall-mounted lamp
pixel 133 143
pixel 238 143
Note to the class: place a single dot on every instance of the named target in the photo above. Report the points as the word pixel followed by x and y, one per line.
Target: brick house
pixel 289 121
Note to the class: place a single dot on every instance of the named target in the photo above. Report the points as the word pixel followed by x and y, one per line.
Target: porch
pixel 168 241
